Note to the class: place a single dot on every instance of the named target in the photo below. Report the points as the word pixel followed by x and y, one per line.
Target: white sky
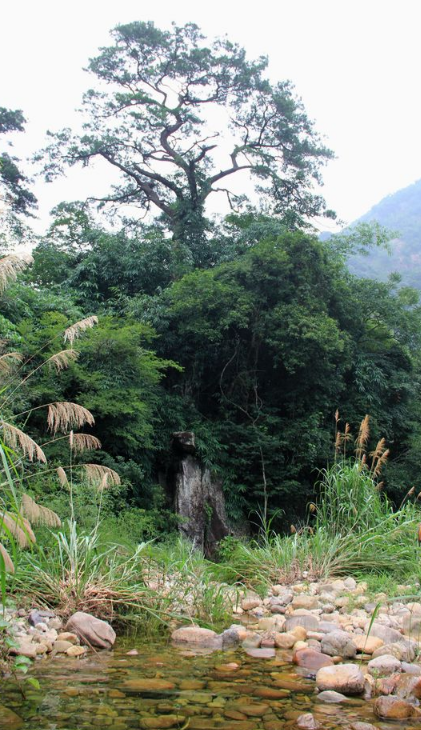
pixel 355 63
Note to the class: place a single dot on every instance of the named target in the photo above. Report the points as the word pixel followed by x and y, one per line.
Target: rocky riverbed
pixel 325 641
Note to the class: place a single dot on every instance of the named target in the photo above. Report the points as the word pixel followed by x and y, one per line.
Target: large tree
pixel 179 119
pixel 17 199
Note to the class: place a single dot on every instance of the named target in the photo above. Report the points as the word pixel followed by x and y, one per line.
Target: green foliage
pixel 152 105
pixel 270 343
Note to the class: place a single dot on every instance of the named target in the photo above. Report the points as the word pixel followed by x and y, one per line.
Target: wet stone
pixel 163 721
pixel 148 685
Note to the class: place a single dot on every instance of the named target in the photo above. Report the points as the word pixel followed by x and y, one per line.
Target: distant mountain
pixel 401 213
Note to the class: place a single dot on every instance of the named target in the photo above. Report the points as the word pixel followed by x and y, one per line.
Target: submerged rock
pixel 331 696
pixel 307 722
pixel 9 720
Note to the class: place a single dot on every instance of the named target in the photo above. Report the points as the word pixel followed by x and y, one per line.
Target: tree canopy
pixel 13 183
pixel 178 120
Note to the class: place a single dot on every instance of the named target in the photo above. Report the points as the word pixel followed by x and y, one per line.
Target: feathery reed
pixel 65 416
pixel 76 329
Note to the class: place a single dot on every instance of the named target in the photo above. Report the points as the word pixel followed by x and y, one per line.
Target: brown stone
pixel 196 636
pixel 366 644
pixel 230 667
pixel 253 709
pixel 284 641
pixel 393 708
pixel 76 651
pixel 345 678
pixel 274 725
pixel 408 686
pixel 68 636
pixel 270 693
pixel 187 684
pixel 163 721
pixel 9 720
pixel 148 685
pixel 311 659
pixel 61 647
pixel 235 715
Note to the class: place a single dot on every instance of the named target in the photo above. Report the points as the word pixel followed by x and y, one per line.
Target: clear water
pixel 183 690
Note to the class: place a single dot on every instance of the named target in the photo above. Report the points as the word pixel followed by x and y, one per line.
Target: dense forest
pixel 245 329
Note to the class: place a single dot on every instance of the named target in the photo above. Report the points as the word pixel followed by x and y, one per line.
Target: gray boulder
pixel 339 643
pixel 91 631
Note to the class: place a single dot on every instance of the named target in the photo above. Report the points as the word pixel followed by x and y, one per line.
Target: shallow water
pixel 182 690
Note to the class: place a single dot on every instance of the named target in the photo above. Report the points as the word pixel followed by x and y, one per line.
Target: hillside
pixel 400 212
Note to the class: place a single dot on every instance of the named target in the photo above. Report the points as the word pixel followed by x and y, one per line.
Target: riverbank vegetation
pixel 247 330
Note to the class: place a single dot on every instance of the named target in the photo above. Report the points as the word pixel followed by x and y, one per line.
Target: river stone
pixel 367 644
pixel 76 651
pixel 345 678
pixel 196 636
pixel 42 648
pixel 257 653
pixel 250 602
pixel 68 636
pixel 55 623
pixel 408 687
pixel 307 621
pixel 272 623
pixel 414 669
pixel 350 584
pixel 304 601
pixel 339 643
pixel 284 597
pixel 404 650
pixel 91 631
pixel 284 641
pixel 252 641
pixel 411 624
pixel 311 659
pixel 331 696
pixel 307 722
pixel 299 632
pixel 37 616
pixel 363 726
pixel 24 647
pixel 61 647
pixel 9 720
pixel 389 636
pixel 148 685
pixel 328 626
pixel 384 665
pixel 393 708
pixel 230 637
pixel 253 709
pixel 163 721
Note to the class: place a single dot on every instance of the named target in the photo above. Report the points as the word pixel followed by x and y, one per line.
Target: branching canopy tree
pixel 18 199
pixel 179 120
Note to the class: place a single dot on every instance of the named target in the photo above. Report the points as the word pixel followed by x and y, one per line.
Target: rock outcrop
pixel 198 496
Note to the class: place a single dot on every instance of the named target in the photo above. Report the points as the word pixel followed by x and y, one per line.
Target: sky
pixel 354 63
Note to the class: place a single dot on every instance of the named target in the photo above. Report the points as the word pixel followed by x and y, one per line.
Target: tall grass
pixel 352 529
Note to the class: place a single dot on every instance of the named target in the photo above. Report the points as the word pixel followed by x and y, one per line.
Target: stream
pixel 166 687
